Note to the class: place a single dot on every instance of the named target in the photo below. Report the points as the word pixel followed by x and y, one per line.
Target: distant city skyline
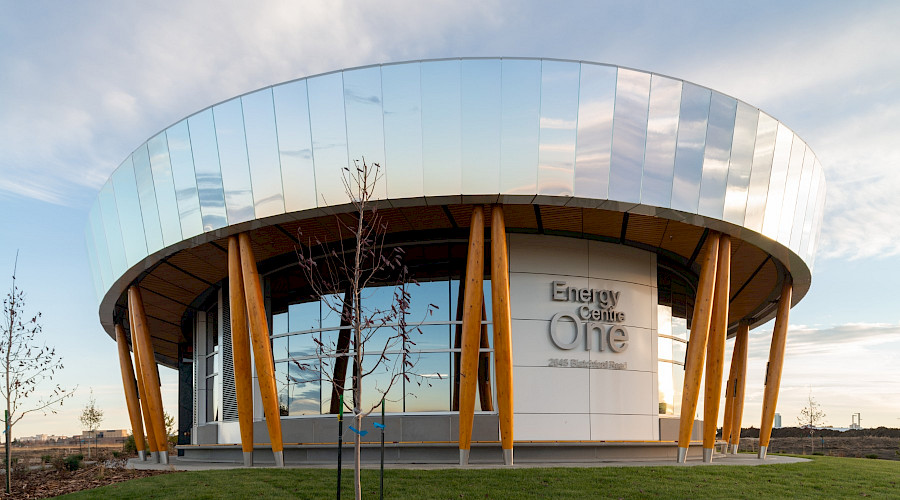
pixel 84 84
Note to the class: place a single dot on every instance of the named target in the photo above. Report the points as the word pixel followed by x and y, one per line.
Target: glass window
pixel 112 230
pixel 763 152
pixel 796 230
pixel 401 88
pixel 559 114
pixel 429 388
pixel 441 128
pixel 365 119
pixel 147 195
pixel 777 180
pixel 745 124
pixel 719 136
pixel 596 103
pixel 178 141
pixel 232 144
pixel 689 148
pixel 810 207
pixel 206 166
pixel 304 316
pixel 520 125
pixel 329 136
pixel 129 210
pixel 262 152
pixel 295 146
pixel 98 236
pixel 662 134
pixel 164 187
pixel 792 189
pixel 480 92
pixel 629 135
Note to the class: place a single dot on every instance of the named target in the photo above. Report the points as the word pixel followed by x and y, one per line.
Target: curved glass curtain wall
pixel 674 310
pixel 305 333
pixel 460 126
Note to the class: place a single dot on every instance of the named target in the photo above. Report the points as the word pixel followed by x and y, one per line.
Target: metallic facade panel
pixel 629 136
pixel 662 134
pixel 559 114
pixel 402 94
pixel 262 153
pixel 593 145
pixel 596 138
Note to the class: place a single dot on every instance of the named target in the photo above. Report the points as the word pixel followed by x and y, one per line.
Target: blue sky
pixel 82 84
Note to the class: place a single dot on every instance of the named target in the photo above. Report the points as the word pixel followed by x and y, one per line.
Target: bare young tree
pixel 338 276
pixel 90 419
pixel 812 414
pixel 26 365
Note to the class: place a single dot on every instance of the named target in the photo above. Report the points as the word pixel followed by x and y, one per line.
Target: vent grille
pixel 229 400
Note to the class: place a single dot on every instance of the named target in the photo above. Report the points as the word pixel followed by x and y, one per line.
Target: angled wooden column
pixel 740 353
pixel 262 349
pixel 502 319
pixel 715 348
pixel 142 393
pixel 153 398
pixel 773 368
pixel 471 332
pixel 131 397
pixel 727 415
pixel 240 349
pixel 693 362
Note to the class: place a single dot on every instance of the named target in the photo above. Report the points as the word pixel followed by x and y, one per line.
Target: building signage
pixel 596 320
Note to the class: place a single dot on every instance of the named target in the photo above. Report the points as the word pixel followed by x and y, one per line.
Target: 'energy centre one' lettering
pixel 596 318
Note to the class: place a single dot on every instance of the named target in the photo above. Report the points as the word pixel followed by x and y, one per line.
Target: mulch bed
pixel 50 482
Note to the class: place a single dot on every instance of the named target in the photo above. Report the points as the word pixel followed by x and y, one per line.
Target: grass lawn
pixel 824 477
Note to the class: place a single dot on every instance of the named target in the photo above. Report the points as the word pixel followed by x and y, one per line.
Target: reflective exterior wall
pixel 459 130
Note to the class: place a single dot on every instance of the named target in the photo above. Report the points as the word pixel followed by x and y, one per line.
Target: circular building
pixel 570 226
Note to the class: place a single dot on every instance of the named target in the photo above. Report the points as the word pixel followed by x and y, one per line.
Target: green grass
pixel 823 477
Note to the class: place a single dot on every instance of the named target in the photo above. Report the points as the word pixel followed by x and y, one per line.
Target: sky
pixel 84 83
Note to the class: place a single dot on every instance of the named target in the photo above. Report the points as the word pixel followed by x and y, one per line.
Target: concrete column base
pixel 164 457
pixel 463 457
pixel 707 455
pixel 762 452
pixel 142 455
pixel 248 459
pixel 279 459
pixel 733 449
pixel 507 457
pixel 682 455
pixel 154 457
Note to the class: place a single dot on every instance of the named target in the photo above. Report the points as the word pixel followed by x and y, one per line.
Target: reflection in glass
pixel 279 323
pixel 791 189
pixel 280 348
pixel 329 137
pixel 422 296
pixel 480 111
pixel 229 121
pixel 662 134
pixel 812 198
pixel 305 388
pixel 99 287
pixel 520 125
pixel 429 389
pixel 429 337
pixel 780 163
pixel 164 187
pixel 365 118
pixel 596 102
pixel 147 195
pixel 186 192
pixel 817 224
pixel 98 237
pixel 262 152
pixel 129 210
pixel 441 160
pixel 796 230
pixel 763 151
pixel 689 150
pixel 402 129
pixel 206 166
pixel 559 113
pixel 303 316
pixel 745 124
pixel 719 135
pixel 295 146
pixel 384 381
pixel 629 135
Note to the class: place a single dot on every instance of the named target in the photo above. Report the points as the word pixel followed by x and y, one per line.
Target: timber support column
pixel 740 378
pixel 240 348
pixel 142 394
pixel 262 350
pixel 471 332
pixel 693 363
pixel 773 368
pixel 141 337
pixel 715 354
pixel 131 396
pixel 502 330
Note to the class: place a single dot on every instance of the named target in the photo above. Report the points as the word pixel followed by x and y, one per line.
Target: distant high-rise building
pixel 777 423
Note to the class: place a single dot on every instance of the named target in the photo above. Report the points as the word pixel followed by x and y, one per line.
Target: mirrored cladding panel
pixel 513 130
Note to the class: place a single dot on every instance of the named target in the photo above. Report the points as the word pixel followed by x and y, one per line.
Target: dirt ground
pixel 885 448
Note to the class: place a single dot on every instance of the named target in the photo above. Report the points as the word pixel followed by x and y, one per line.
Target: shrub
pixel 871 455
pixel 73 462
pixel 46 459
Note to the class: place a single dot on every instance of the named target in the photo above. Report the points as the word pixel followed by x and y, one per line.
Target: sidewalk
pixel 739 459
